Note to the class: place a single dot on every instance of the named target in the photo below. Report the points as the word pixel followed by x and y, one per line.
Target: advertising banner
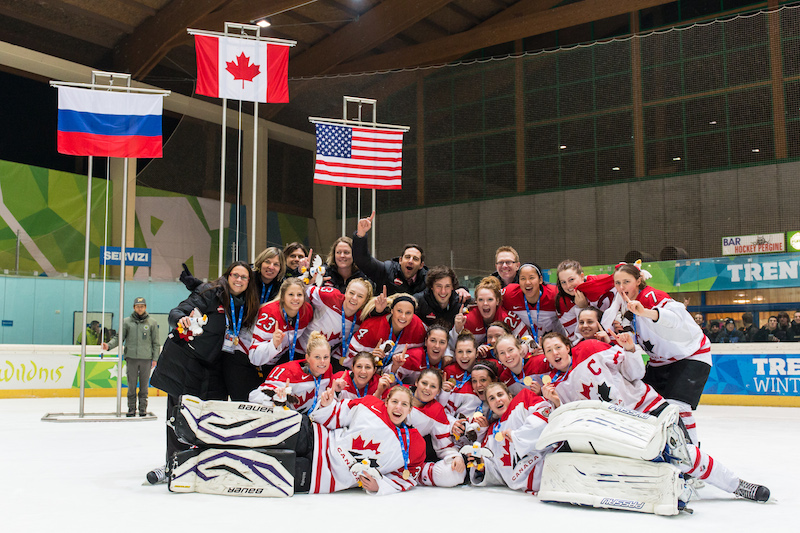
pixel 754 244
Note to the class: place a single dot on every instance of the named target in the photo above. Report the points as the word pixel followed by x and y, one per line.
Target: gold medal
pixel 546 380
pixel 406 474
pixel 527 381
pixel 236 341
pixel 499 437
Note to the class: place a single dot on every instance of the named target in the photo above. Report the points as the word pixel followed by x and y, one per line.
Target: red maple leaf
pixel 587 391
pixel 506 458
pixel 359 444
pixel 242 69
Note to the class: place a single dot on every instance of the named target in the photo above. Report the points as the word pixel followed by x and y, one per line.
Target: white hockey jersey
pixel 350 431
pixel 516 463
pixel 327 304
pixel 305 387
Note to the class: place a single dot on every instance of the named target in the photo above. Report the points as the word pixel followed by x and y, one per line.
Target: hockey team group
pixel 295 376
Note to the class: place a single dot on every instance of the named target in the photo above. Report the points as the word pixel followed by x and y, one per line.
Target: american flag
pixel 365 158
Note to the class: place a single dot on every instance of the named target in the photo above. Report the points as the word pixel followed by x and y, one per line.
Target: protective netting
pixel 681 126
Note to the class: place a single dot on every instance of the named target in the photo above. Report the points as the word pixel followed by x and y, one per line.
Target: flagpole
pixel 121 331
pixel 85 287
pixel 255 185
pixel 222 185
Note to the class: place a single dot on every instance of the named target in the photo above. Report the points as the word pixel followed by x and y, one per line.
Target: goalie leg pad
pixel 611 483
pixel 597 427
pixel 246 472
pixel 234 424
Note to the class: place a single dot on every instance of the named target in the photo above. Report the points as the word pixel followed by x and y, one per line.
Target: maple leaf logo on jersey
pixel 359 444
pixel 507 459
pixel 242 69
pixel 647 345
pixel 604 391
pixel 587 391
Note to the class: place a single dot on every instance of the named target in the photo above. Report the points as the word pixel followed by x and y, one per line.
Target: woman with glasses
pixel 206 364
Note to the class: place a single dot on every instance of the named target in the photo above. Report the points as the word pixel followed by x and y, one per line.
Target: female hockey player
pixel 298 384
pixel 430 355
pixel 680 353
pixel 533 301
pixel 519 373
pixel 362 380
pixel 444 466
pixel 386 335
pixel 365 442
pixel 280 324
pixel 337 315
pixel 488 309
pixel 594 370
pixel 457 395
pixel 572 283
pixel 201 366
pixel 511 438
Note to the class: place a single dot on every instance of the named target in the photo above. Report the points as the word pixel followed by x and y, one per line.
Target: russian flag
pixel 109 124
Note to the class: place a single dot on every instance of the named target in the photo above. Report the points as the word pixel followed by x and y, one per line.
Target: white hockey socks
pixel 704 467
pixel 687 416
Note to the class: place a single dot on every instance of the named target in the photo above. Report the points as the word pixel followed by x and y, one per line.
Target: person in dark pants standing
pixel 140 334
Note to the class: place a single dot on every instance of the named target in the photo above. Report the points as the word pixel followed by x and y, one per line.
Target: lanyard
pixel 317 383
pixel 513 375
pixel 268 292
pixel 388 358
pixel 404 447
pixel 346 343
pixel 358 392
pixel 235 328
pixel 467 377
pixel 294 340
pixel 534 326
pixel 428 361
pixel 561 376
pixel 635 332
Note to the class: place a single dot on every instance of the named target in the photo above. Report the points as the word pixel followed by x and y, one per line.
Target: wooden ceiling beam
pixel 499 31
pixel 139 52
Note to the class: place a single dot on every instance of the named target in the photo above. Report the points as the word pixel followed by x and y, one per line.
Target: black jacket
pixel 503 283
pixel 194 367
pixel 385 273
pixel 429 310
pixel 338 282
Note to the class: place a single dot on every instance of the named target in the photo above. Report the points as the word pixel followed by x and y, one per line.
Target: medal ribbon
pixel 235 328
pixel 388 358
pixel 293 345
pixel 534 325
pixel 404 444
pixel 268 292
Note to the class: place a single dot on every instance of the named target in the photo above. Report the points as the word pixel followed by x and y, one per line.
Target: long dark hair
pixel 250 295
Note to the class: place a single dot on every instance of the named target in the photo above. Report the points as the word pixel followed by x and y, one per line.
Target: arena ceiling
pixel 148 38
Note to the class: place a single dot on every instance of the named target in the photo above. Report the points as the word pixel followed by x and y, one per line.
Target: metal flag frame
pixel 81 415
pixel 346 100
pixel 258 37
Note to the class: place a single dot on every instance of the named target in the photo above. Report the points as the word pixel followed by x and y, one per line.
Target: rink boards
pixel 742 374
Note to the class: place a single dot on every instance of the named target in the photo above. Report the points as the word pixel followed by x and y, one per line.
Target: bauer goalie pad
pixel 611 483
pixel 234 424
pixel 592 426
pixel 234 472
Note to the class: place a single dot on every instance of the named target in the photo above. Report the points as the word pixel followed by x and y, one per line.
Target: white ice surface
pixel 63 477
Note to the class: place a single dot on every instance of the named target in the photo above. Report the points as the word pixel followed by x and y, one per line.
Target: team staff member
pixel 442 298
pixel 140 333
pixel 197 366
pixel 506 260
pixel 402 274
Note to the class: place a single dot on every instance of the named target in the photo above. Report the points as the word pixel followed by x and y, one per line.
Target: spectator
pixel 796 326
pixel 92 334
pixel 730 333
pixel 404 274
pixel 748 328
pixel 141 353
pixel 768 333
pixel 699 320
pixel 506 261
pixel 713 331
pixel 784 327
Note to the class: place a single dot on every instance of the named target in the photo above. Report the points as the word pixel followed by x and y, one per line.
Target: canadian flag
pixel 242 69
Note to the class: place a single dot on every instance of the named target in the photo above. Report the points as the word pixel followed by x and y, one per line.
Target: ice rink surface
pixel 88 477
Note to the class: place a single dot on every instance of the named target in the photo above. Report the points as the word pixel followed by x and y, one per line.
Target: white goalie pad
pixel 611 483
pixel 234 472
pixel 234 424
pixel 596 427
